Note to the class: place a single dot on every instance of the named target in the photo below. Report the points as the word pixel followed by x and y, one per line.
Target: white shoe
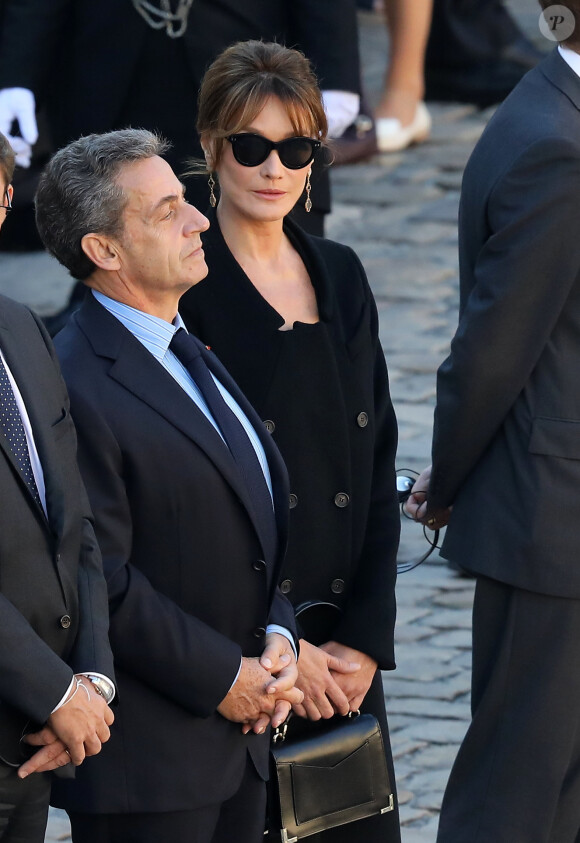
pixel 392 136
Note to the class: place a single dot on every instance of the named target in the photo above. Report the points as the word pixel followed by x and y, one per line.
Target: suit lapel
pixel 25 371
pixel 141 374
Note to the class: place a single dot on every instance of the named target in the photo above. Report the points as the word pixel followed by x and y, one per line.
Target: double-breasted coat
pixel 322 391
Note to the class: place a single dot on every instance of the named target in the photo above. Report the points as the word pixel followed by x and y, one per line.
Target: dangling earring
pixel 308 203
pixel 211 183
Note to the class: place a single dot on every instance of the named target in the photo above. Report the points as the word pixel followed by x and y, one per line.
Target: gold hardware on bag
pixel 390 806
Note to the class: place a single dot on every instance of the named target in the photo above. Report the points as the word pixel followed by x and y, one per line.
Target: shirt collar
pixel 571 58
pixel 154 333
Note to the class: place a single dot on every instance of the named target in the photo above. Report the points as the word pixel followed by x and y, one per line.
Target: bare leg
pixel 408 22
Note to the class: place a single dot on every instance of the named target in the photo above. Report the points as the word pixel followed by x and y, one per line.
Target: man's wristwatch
pixel 102 686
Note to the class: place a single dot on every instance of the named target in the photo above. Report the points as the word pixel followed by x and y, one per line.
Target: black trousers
pixel 23 806
pixel 240 819
pixel 516 778
pixel 464 32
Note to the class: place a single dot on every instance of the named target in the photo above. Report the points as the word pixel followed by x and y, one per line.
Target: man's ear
pixel 10 191
pixel 101 250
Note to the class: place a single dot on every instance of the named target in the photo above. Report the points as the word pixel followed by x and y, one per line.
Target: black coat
pixel 334 424
pixel 53 609
pixel 180 552
pixel 506 444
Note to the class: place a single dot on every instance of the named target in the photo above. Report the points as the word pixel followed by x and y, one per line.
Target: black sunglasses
pixel 252 150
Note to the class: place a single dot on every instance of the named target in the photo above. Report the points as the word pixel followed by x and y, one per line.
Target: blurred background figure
pixel 476 52
pixel 95 67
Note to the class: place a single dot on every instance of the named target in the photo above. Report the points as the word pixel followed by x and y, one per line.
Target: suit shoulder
pixel 14 311
pixel 70 344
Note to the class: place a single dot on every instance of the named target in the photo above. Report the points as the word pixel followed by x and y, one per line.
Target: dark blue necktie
pixel 188 352
pixel 13 429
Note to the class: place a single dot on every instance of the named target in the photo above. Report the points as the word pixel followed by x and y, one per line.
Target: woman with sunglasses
pixel 293 319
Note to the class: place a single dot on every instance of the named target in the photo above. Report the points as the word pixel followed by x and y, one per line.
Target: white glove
pixel 342 108
pixel 18 104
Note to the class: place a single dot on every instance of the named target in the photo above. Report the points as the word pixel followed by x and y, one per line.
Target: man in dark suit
pixel 55 659
pixel 506 458
pixel 190 515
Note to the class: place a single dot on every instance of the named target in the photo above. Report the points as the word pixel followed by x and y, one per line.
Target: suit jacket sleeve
pixel 92 650
pixel 33 678
pixel 368 621
pixel 153 639
pixel 523 275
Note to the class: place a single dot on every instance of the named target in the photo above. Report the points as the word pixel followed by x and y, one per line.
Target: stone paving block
pixel 433 756
pixel 451 619
pixel 412 634
pixel 410 172
pixel 449 180
pixel 404 231
pixel 411 614
pixel 463 660
pixel 35 279
pixel 425 363
pixel 437 731
pixel 460 599
pixel 426 780
pixel 449 688
pixel 451 112
pixel 383 192
pixel 437 709
pixel 419 391
pixel 405 746
pixel 466 131
pixel 460 638
pixel 365 172
pixel 409 814
pixel 409 593
pixel 424 668
pixel 441 210
pixel 450 156
pixel 398 723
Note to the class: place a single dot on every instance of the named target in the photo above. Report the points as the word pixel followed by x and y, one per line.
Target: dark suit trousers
pixel 23 806
pixel 464 32
pixel 516 778
pixel 240 819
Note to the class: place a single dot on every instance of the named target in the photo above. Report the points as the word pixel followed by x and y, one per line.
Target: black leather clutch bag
pixel 330 774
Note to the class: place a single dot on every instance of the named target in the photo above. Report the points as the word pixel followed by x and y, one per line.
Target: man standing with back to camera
pixel 55 661
pixel 506 457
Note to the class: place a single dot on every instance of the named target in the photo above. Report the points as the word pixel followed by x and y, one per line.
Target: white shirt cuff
pixel 342 109
pixel 64 698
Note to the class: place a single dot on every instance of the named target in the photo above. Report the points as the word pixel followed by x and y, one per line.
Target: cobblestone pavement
pixel 399 213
